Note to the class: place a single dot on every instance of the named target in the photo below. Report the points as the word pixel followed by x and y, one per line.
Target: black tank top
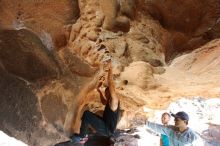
pixel 111 117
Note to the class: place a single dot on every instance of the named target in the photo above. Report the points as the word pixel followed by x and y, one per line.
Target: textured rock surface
pixel 23 54
pixel 49 51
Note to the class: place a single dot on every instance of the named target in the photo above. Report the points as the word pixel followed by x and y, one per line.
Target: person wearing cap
pixel 179 134
pixel 164 140
pixel 105 125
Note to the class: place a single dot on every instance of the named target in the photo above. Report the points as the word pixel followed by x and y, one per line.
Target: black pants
pixel 96 122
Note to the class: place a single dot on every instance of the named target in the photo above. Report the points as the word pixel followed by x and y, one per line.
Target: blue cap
pixel 182 115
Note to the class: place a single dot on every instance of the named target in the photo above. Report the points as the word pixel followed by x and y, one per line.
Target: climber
pixel 180 134
pixel 105 125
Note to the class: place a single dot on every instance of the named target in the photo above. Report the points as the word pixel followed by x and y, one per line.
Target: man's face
pixel 165 119
pixel 179 122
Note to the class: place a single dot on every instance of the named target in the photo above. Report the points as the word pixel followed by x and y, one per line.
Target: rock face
pixel 17 98
pixel 49 51
pixel 191 23
pixel 24 55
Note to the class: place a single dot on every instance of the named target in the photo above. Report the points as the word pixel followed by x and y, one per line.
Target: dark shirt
pixel 111 117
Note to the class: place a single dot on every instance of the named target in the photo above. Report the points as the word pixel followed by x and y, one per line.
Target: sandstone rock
pixel 39 16
pixel 142 38
pixel 92 35
pixel 138 73
pixel 23 54
pixel 19 107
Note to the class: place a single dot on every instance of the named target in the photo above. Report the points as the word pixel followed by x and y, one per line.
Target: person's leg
pixel 96 123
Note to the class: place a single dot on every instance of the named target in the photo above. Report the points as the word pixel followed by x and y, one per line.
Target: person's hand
pixel 107 65
pixel 99 85
pixel 97 78
pixel 101 79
